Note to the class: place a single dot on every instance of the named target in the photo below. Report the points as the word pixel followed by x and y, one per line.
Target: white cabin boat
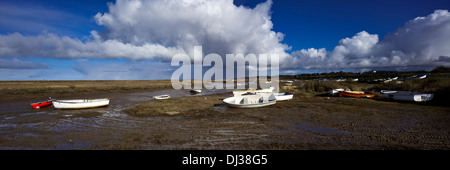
pixel 283 96
pixel 407 96
pixel 251 100
pixel 80 103
pixel 162 97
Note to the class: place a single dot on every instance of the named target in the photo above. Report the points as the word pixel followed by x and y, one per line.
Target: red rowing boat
pixel 42 104
pixel 349 94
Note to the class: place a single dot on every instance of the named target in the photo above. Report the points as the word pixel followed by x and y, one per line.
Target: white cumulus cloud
pixel 159 29
pixel 423 41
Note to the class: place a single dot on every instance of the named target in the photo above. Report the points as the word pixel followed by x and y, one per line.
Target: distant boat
pixel 407 96
pixel 38 105
pixel 251 100
pixel 390 79
pixel 387 91
pixel 356 94
pixel 80 103
pixel 194 91
pixel 288 82
pixel 335 91
pixel 283 96
pixel 417 77
pixel 162 97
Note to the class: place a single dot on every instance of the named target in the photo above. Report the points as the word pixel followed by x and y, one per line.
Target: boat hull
pixel 283 96
pixel 346 94
pixel 80 103
pixel 162 97
pixel 41 104
pixel 251 105
pixel 195 91
pixel 407 96
pixel 231 104
pixel 251 101
pixel 354 92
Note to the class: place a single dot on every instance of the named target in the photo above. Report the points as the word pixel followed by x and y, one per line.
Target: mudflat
pixel 307 122
pixel 310 121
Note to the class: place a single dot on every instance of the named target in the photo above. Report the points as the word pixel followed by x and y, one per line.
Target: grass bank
pixel 438 85
pixel 44 89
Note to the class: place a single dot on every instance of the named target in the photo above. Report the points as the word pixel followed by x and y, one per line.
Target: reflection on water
pixel 22 127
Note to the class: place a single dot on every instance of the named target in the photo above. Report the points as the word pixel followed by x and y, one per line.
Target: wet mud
pixel 303 123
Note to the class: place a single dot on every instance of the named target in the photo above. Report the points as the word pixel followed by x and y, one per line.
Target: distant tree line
pixel 366 76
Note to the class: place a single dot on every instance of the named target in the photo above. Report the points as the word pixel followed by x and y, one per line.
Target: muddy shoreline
pixel 307 122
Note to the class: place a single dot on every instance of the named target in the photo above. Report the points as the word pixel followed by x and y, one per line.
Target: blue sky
pixel 322 23
pixel 301 25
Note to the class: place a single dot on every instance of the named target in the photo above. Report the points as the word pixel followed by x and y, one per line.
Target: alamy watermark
pixel 258 70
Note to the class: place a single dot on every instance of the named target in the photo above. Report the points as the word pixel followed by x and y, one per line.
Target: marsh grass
pixel 320 87
pixel 45 89
pixel 427 85
pixel 439 86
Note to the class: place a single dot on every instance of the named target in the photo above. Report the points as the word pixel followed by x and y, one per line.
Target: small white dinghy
pixel 195 91
pixel 283 96
pixel 407 96
pixel 80 103
pixel 251 100
pixel 162 97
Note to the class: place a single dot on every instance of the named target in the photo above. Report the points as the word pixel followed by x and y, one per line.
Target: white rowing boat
pixel 80 103
pixel 407 96
pixel 251 100
pixel 162 97
pixel 283 96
